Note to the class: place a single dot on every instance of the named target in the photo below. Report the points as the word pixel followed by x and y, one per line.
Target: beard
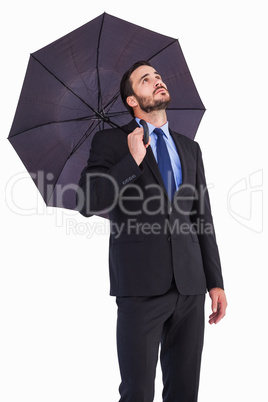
pixel 151 105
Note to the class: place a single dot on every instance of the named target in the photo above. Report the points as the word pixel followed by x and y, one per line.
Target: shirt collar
pixel 151 127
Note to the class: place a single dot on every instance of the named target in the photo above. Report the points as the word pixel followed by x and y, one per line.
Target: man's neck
pixel 157 118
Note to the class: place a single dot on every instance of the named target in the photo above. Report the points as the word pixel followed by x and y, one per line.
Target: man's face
pixel 149 90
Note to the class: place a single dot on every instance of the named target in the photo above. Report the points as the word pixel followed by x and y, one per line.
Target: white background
pixel 57 335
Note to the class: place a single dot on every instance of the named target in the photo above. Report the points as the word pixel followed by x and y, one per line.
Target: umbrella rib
pixel 114 114
pixel 97 65
pixel 55 122
pixel 87 133
pixel 164 48
pixel 112 100
pixel 90 129
pixel 66 86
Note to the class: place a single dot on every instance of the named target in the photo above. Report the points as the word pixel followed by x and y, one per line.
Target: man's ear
pixel 131 101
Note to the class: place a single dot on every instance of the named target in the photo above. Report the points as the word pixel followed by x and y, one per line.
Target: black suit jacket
pixel 151 239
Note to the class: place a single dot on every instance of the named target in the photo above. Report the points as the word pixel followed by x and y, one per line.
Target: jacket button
pixel 169 238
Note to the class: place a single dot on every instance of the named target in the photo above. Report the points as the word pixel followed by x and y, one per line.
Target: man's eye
pixel 145 80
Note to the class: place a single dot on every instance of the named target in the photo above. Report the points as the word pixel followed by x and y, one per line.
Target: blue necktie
pixel 164 163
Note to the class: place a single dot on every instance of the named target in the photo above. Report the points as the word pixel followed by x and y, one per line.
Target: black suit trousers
pixel 172 320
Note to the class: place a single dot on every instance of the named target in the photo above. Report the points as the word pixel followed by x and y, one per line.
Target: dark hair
pixel 126 86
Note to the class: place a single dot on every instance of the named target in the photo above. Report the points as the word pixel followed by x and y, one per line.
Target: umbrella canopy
pixel 71 90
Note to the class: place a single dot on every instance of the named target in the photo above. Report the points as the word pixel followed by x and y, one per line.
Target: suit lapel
pixel 149 159
pixel 153 165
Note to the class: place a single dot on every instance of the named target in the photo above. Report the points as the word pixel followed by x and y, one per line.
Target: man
pixel 163 254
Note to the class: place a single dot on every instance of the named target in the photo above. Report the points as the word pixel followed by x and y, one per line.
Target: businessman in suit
pixel 163 254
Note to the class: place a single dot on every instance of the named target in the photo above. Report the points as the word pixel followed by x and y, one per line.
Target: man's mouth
pixel 161 89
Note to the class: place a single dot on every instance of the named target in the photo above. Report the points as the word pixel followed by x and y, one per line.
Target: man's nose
pixel 158 83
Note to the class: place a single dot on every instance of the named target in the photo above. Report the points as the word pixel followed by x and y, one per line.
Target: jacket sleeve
pixel 104 176
pixel 206 232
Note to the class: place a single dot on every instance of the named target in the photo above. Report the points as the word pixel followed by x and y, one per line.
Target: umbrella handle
pixel 146 131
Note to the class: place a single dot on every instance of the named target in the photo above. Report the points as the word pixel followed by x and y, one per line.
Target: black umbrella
pixel 71 90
